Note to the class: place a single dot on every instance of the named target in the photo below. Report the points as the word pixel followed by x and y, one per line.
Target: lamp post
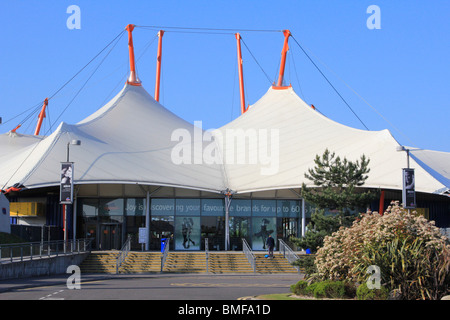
pixel 408 188
pixel 66 186
pixel 402 148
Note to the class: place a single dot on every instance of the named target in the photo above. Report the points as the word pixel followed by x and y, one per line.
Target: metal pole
pixel 133 78
pixel 227 220
pixel 286 33
pixel 74 213
pixel 303 217
pixel 147 220
pixel 407 158
pixel 158 65
pixel 241 74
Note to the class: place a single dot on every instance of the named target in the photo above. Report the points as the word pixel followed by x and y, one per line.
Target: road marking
pixel 229 285
pixel 51 296
pixel 247 298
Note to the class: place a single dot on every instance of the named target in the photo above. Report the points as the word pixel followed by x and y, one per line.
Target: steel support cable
pixel 35 110
pixel 85 83
pixel 206 30
pixel 259 65
pixel 57 91
pixel 296 75
pixel 38 106
pixel 320 71
pixel 36 145
pixel 364 100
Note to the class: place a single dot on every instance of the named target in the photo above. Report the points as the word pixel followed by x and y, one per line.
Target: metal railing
pixel 18 252
pixel 165 253
pixel 123 253
pixel 249 254
pixel 288 253
pixel 207 254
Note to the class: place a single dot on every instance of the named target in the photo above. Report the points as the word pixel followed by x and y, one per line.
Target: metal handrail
pixel 207 254
pixel 19 252
pixel 123 253
pixel 288 253
pixel 249 254
pixel 165 253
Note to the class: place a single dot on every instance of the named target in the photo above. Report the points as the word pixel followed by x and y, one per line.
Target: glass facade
pixel 188 222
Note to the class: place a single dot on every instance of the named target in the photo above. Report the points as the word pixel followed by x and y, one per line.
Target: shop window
pixel 187 207
pixel 187 233
pixel 262 227
pixel 240 208
pixel 162 207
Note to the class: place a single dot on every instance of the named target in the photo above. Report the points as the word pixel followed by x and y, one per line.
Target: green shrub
pixel 309 290
pixel 325 289
pixel 330 289
pixel 364 293
pixel 300 287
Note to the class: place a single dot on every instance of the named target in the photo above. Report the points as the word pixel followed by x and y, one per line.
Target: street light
pixel 74 143
pixel 66 186
pixel 408 188
pixel 402 148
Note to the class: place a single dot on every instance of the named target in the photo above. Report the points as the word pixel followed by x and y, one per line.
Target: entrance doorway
pixel 161 227
pixel 110 236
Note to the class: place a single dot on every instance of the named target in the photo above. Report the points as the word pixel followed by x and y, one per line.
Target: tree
pixel 319 227
pixel 336 181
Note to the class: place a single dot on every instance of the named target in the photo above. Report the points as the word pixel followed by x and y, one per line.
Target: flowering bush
pixel 410 251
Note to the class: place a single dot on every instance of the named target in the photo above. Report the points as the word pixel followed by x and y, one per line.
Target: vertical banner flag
pixel 66 183
pixel 409 193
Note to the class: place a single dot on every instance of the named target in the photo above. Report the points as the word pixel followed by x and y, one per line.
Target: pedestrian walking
pixel 270 245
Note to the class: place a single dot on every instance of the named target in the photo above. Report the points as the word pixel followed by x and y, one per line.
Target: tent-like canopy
pixel 131 141
pixel 296 133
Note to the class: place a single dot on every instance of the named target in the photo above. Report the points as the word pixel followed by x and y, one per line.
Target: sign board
pixel 66 183
pixel 409 193
pixel 143 235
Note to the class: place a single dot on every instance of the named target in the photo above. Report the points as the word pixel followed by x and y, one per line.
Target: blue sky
pixel 399 71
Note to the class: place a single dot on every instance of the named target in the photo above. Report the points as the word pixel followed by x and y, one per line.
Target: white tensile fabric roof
pixel 271 146
pixel 304 133
pixel 126 141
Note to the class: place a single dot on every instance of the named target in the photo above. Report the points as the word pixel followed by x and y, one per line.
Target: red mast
pixel 241 74
pixel 133 78
pixel 41 117
pixel 287 34
pixel 158 65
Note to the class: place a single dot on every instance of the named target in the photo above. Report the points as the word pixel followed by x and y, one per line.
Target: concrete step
pixel 218 262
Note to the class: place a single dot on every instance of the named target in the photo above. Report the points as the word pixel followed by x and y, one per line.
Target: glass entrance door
pixel 110 237
pixel 161 227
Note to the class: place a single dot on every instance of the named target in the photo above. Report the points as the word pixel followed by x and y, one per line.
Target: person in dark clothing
pixel 270 245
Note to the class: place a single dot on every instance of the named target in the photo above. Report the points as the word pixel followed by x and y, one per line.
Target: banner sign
pixel 66 183
pixel 143 235
pixel 409 193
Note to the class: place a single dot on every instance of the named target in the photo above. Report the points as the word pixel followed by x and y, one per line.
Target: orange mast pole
pixel 158 65
pixel 241 74
pixel 15 129
pixel 286 33
pixel 133 78
pixel 41 117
